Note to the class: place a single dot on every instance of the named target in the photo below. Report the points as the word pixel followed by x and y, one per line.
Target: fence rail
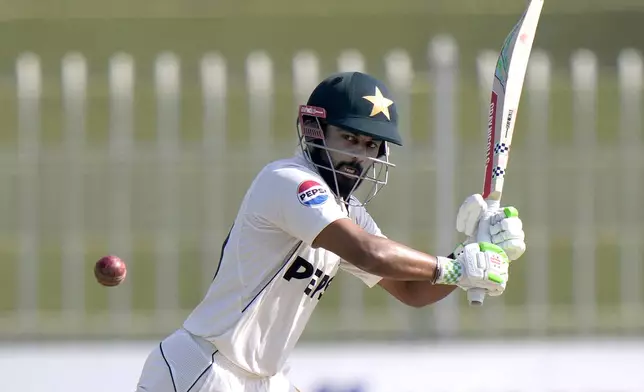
pixel 165 203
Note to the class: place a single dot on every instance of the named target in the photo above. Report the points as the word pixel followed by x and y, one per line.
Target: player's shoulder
pixel 291 176
pixel 289 170
pixel 360 216
pixel 357 211
pixel 295 163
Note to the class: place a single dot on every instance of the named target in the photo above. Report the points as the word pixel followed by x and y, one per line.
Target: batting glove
pixel 479 265
pixel 506 228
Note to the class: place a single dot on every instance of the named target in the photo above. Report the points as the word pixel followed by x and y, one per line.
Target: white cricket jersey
pixel 269 279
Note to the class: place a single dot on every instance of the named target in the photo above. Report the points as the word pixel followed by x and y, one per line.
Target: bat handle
pixel 476 296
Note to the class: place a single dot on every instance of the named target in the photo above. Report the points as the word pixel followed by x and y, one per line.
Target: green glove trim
pixel 510 212
pixel 486 246
pixel 495 278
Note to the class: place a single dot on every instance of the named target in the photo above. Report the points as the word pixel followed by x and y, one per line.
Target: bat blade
pixel 509 75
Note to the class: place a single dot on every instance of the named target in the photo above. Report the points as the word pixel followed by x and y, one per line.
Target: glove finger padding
pixel 514 248
pixel 501 236
pixel 513 224
pixel 509 235
pixel 467 218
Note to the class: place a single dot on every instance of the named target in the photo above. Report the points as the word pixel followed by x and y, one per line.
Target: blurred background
pixel 134 128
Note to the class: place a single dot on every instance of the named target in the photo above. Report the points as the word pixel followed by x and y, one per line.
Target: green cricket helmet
pixel 358 103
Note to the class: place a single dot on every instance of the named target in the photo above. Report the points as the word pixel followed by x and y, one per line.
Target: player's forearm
pixel 421 294
pixel 393 260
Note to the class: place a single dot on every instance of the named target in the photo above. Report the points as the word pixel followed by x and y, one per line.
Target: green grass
pixel 41 9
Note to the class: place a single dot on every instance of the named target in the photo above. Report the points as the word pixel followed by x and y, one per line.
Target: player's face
pixel 358 148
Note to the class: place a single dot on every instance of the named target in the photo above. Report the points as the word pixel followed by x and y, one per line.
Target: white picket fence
pixel 440 157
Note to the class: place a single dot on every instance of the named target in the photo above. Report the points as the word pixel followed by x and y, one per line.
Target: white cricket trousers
pixel 186 363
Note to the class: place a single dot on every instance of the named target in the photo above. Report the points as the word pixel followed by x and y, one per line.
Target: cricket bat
pixel 511 67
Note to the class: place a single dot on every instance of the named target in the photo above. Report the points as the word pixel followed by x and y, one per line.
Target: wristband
pixel 450 271
pixel 437 271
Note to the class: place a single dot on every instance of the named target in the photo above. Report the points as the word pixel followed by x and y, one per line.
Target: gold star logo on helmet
pixel 380 104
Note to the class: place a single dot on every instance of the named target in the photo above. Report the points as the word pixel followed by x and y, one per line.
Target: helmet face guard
pixel 311 136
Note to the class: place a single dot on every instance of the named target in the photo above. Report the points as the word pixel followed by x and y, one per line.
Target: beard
pixel 345 184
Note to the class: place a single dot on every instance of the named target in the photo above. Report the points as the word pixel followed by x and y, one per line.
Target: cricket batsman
pixel 299 223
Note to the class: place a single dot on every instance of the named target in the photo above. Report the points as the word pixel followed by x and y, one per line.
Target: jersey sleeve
pixel 364 220
pixel 296 201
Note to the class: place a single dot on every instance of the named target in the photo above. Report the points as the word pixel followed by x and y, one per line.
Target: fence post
pixel 168 90
pixel 306 76
pixel 443 57
pixel 261 89
pixel 630 74
pixel 538 88
pixel 29 89
pixel 584 83
pixel 121 147
pixel 74 86
pixel 214 158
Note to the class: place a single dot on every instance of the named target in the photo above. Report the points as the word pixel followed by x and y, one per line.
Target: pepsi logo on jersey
pixel 312 193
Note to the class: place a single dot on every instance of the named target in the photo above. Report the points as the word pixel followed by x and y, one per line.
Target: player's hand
pixel 469 214
pixel 480 265
pixel 506 228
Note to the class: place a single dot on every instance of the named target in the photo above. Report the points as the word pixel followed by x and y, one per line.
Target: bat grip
pixel 476 296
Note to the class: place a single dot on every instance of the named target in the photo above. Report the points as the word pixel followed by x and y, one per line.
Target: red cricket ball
pixel 110 270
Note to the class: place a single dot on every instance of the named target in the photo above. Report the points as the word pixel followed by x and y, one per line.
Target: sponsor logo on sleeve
pixel 312 194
